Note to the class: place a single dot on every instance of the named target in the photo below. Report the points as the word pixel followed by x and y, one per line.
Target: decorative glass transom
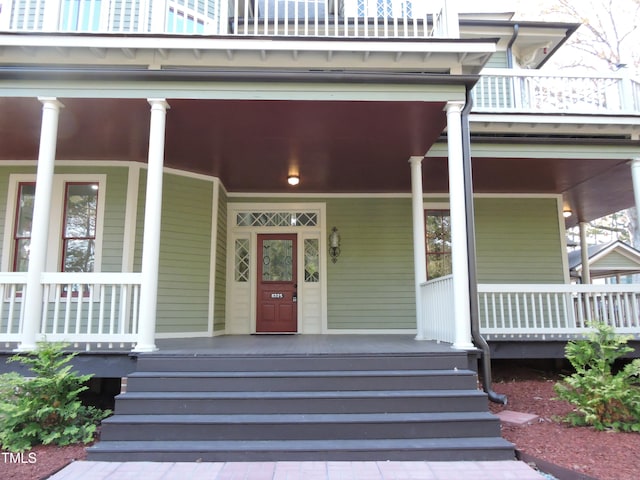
pixel 277 219
pixel 311 264
pixel 242 260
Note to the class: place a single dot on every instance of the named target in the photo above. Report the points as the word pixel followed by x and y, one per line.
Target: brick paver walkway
pixel 503 470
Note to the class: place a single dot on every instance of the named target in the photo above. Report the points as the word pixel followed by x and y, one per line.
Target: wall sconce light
pixel 293 179
pixel 334 244
pixel 567 213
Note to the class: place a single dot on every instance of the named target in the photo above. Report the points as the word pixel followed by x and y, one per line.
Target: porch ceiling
pixel 335 146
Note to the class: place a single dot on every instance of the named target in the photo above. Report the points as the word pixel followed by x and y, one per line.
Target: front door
pixel 277 309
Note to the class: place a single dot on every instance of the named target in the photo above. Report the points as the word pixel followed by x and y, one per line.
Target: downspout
pixel 478 340
pixel 516 29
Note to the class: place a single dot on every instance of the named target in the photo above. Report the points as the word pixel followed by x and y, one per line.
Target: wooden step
pixel 272 363
pixel 431 449
pixel 302 380
pixel 299 426
pixel 359 401
pixel 302 407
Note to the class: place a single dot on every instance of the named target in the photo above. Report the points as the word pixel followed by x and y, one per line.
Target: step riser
pixel 298 405
pixel 300 363
pixel 302 408
pixel 298 431
pixel 453 455
pixel 289 384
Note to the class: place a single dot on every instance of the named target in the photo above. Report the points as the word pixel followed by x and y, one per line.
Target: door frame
pixel 241 297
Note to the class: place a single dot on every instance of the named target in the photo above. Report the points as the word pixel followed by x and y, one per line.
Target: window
pixel 75 227
pixel 183 22
pixel 23 224
pixel 79 227
pixel 438 243
pixel 80 15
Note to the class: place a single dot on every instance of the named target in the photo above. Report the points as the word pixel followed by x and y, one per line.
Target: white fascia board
pixel 569 151
pixel 240 44
pixel 556 118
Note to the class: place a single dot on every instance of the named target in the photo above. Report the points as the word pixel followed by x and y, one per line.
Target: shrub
pixel 46 408
pixel 603 399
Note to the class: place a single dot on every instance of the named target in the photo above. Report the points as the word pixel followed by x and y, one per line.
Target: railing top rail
pixel 506 72
pixel 13 277
pixel 444 278
pixel 91 278
pixel 557 288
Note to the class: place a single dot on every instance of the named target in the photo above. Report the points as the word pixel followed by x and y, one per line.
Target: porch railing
pixel 437 304
pixel 523 311
pixel 318 18
pixel 531 91
pixel 534 311
pixel 99 309
pixel 12 288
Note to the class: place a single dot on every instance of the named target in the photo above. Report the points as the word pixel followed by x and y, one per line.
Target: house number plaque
pixel 277 295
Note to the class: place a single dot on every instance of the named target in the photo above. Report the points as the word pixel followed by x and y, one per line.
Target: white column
pixel 419 251
pixel 152 221
pixel 584 254
pixel 635 178
pixel 40 226
pixel 451 18
pixel 459 259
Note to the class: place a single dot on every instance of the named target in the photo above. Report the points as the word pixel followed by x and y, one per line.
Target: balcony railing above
pixel 310 18
pixel 534 91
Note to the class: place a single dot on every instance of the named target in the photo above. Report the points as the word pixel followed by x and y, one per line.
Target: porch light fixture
pixel 567 213
pixel 293 180
pixel 334 244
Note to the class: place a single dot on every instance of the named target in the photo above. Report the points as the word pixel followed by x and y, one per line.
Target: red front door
pixel 277 310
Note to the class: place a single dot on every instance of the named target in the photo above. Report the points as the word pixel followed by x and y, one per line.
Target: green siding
pixel 518 240
pixel 219 311
pixel 614 260
pixel 371 285
pixel 185 255
pixel 497 60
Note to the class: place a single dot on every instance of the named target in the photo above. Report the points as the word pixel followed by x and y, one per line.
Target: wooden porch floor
pixel 300 345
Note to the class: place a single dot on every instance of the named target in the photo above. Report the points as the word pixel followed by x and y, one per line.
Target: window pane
pixel 438 243
pixel 311 254
pixel 277 265
pixel 81 210
pixel 242 260
pixel 79 233
pixel 80 15
pixel 22 254
pixel 26 196
pixel 24 223
pixel 79 256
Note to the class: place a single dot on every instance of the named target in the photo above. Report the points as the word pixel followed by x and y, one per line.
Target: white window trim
pixel 54 250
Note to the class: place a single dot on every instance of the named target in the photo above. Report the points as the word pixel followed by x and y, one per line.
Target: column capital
pixel 51 102
pixel 454 106
pixel 158 103
pixel 413 160
pixel 634 162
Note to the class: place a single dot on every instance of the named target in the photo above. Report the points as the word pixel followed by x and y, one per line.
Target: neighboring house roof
pixel 606 260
